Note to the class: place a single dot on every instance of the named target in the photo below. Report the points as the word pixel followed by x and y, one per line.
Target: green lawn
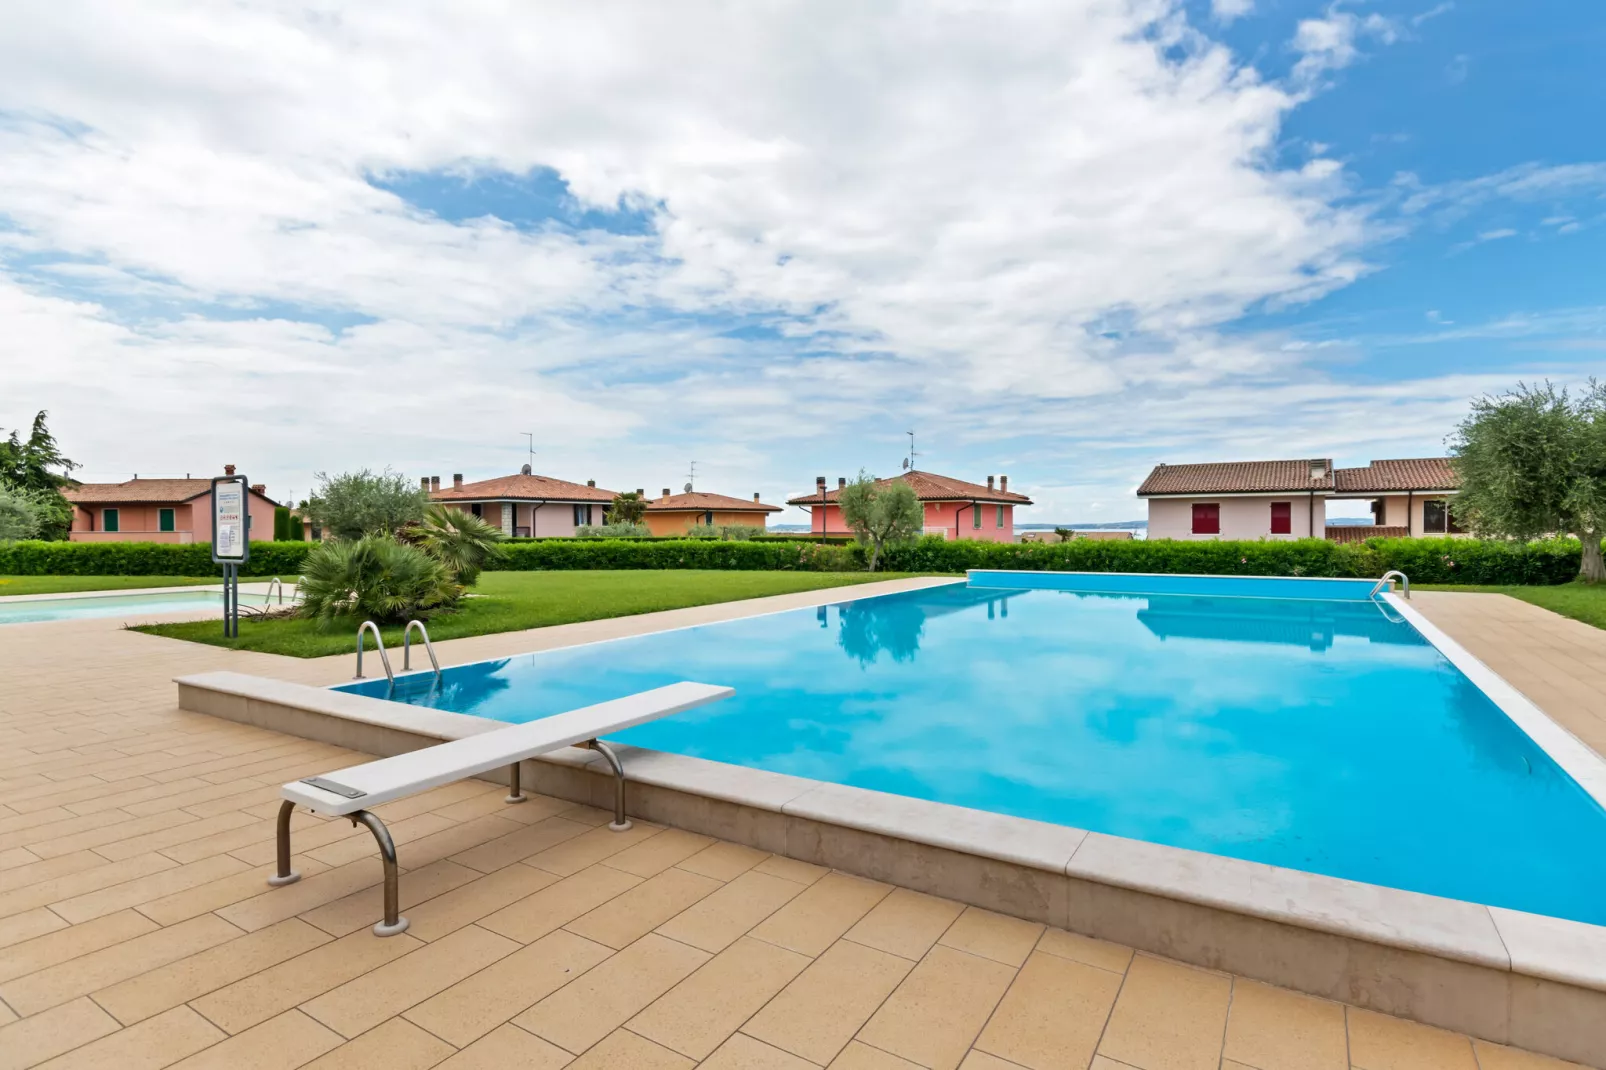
pixel 510 601
pixel 1576 600
pixel 10 585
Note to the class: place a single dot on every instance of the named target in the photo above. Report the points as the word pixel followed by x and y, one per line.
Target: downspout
pixel 1310 516
pixel 957 511
pixel 1410 507
pixel 534 508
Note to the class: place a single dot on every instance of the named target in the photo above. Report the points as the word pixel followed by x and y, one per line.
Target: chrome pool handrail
pixel 407 648
pixel 1405 583
pixel 384 659
pixel 272 584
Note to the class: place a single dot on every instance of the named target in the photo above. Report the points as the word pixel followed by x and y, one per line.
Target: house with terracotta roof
pixel 954 508
pixel 158 510
pixel 525 505
pixel 1288 499
pixel 675 514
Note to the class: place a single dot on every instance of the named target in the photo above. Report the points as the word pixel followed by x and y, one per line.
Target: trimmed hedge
pixel 35 558
pixel 1423 560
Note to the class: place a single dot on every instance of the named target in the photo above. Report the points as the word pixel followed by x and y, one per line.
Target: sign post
pixel 231 542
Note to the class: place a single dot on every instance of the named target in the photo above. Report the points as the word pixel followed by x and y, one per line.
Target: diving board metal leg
pixel 620 822
pixel 514 795
pixel 394 923
pixel 284 874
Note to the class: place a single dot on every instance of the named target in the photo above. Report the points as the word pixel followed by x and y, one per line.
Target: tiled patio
pixel 136 930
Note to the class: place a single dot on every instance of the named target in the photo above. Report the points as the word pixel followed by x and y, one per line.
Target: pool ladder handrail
pixel 379 641
pixel 275 583
pixel 407 647
pixel 1405 583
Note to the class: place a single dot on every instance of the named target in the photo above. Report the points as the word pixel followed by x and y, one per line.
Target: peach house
pixel 954 508
pixel 675 514
pixel 1288 499
pixel 158 510
pixel 525 505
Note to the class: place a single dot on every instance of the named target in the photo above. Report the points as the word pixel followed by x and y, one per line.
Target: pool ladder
pixel 407 649
pixel 1393 573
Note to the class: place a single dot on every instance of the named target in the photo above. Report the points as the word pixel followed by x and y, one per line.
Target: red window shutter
pixel 1282 518
pixel 1206 519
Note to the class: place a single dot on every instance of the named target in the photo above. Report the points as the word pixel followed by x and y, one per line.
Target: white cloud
pixel 1228 10
pixel 1332 42
pixel 1002 226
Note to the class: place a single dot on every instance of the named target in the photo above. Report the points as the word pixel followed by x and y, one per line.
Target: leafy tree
pixel 627 508
pixel 1532 462
pixel 373 578
pixel 881 512
pixel 37 468
pixel 459 540
pixel 353 504
pixel 24 513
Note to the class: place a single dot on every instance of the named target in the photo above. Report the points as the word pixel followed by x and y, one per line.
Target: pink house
pixel 525 504
pixel 158 510
pixel 953 508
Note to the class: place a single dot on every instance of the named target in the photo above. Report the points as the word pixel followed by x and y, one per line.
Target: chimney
pixel 260 488
pixel 423 483
pixel 819 484
pixel 457 480
pixel 989 482
pixel 434 483
pixel 841 481
pixel 591 482
pixel 640 493
pixel 228 470
pixel 666 492
pixel 755 495
pixel 1003 484
pixel 1318 469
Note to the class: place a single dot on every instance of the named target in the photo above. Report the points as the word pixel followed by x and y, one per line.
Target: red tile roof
pixel 930 487
pixel 702 501
pixel 140 492
pixel 1362 532
pixel 1238 477
pixel 1409 473
pixel 522 488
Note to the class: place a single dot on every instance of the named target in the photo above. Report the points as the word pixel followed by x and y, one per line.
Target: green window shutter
pixel 164 519
pixel 975 515
pixel 108 520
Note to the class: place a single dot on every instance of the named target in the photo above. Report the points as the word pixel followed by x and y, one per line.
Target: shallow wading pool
pixel 1292 722
pixel 31 610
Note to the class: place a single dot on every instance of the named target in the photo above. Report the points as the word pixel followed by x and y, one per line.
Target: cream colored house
pixel 1288 499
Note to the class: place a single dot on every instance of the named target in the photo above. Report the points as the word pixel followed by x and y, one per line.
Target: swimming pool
pixel 1313 729
pixel 76 607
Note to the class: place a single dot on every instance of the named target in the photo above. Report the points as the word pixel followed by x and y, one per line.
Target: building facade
pixel 954 508
pixel 525 505
pixel 676 514
pixel 158 510
pixel 1288 499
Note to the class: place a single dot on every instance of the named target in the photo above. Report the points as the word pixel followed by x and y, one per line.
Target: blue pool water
pixel 1310 732
pixel 67 607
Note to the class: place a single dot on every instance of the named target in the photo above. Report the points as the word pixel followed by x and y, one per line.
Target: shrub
pixel 675 553
pixel 33 558
pixel 728 532
pixel 354 504
pixel 374 578
pixel 613 531
pixel 461 541
pixel 25 514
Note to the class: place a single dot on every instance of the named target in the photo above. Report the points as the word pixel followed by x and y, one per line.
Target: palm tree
pixel 459 540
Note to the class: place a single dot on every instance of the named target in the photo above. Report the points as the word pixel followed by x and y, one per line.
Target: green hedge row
pixel 1423 560
pixel 34 558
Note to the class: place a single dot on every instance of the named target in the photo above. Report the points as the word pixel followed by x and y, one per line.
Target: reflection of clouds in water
pixel 864 632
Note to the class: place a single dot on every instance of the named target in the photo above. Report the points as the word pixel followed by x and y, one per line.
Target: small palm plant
pixel 459 540
pixel 374 578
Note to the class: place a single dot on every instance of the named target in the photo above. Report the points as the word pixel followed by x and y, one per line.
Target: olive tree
pixel 353 504
pixel 1532 462
pixel 880 512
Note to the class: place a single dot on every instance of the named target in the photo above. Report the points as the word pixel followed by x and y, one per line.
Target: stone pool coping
pixel 1504 975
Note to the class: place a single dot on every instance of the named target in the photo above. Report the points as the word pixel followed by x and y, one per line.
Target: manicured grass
pixel 10 585
pixel 1576 600
pixel 511 601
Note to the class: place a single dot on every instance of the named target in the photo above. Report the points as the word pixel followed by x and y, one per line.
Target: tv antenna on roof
pixel 909 461
pixel 691 477
pixel 530 435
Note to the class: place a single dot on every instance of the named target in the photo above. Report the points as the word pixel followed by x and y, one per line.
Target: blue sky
pixel 1062 241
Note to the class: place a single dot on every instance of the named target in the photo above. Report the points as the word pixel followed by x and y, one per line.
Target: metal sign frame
pixel 231 563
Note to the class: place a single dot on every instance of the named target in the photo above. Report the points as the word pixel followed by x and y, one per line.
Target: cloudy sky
pixel 1062 240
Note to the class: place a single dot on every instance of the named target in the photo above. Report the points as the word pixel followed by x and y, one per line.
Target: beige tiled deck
pixel 136 930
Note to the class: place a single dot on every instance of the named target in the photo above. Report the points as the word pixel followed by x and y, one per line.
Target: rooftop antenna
pixel 909 461
pixel 530 437
pixel 691 477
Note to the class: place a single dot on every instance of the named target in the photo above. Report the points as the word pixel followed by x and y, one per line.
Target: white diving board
pixel 352 791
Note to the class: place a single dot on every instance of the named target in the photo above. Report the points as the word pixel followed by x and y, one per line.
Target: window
pixel 478 510
pixel 1207 519
pixel 1000 516
pixel 708 518
pixel 975 515
pixel 1282 518
pixel 1436 518
pixel 164 520
pixel 582 515
pixel 108 520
